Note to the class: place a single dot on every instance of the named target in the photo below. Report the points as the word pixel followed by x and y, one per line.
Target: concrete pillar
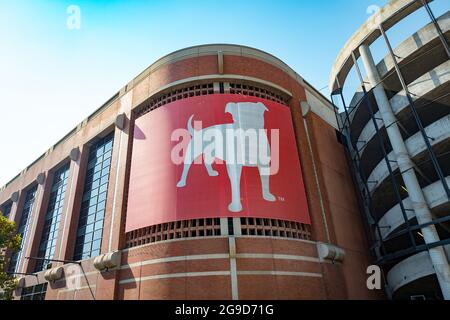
pixel 406 167
pixel 72 202
pixel 14 201
pixel 22 265
pixel 15 215
pixel 224 226
pixel 16 210
pixel 37 224
pixel 115 203
pixel 113 227
pixel 70 215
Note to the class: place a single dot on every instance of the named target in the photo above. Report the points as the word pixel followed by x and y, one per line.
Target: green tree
pixel 9 240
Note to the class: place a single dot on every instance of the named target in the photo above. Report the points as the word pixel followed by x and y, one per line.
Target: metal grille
pixel 178 94
pixel 209 227
pixel 208 88
pixel 174 230
pixel 254 91
pixel 275 228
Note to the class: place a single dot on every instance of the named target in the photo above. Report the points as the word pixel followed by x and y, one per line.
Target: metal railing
pixel 409 229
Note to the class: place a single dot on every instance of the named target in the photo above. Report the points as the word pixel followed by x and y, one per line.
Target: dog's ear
pixel 231 108
pixel 262 106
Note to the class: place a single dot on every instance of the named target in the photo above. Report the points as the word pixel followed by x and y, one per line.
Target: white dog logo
pixel 248 124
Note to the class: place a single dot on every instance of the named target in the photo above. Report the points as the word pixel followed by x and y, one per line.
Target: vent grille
pixel 210 227
pixel 174 230
pixel 275 228
pixel 178 94
pixel 253 91
pixel 207 89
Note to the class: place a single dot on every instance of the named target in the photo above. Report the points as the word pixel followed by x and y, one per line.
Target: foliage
pixel 9 241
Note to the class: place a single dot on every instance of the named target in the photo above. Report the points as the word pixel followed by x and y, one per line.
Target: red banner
pixel 186 163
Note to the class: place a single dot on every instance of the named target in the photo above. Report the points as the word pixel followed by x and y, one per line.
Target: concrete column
pixel 406 167
pixel 113 227
pixel 15 215
pixel 16 211
pixel 72 203
pixel 114 224
pixel 15 201
pixel 30 234
pixel 37 224
pixel 224 226
pixel 237 226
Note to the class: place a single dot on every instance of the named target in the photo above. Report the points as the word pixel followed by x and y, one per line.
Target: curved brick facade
pixel 221 258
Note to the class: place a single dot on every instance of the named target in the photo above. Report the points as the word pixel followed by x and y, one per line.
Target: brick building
pixel 92 206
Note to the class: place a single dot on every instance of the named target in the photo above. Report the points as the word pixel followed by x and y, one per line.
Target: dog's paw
pixel 269 197
pixel 213 173
pixel 181 184
pixel 233 207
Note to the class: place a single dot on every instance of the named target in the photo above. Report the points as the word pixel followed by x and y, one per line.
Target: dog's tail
pixel 189 125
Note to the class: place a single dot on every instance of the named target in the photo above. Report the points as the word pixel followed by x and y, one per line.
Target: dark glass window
pixel 90 224
pixel 36 292
pixel 53 217
pixel 24 225
pixel 6 209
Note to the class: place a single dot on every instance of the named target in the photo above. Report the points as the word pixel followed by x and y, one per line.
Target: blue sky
pixel 51 77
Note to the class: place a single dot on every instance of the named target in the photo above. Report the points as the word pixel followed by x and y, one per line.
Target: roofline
pixel 181 54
